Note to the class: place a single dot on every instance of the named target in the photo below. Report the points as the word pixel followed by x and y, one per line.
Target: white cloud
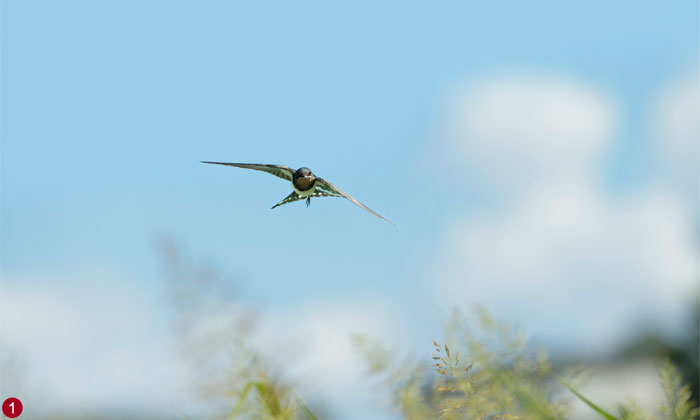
pixel 319 355
pixel 676 133
pixel 516 132
pixel 99 343
pixel 566 259
pixel 38 322
pixel 87 342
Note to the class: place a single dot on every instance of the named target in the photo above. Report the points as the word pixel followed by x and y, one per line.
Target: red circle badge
pixel 12 407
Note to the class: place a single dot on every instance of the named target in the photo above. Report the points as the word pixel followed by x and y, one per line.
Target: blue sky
pixel 107 109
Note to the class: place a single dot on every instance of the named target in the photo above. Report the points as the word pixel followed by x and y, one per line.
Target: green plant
pixel 213 331
pixel 490 372
pixel 678 405
pixel 502 379
pixel 484 369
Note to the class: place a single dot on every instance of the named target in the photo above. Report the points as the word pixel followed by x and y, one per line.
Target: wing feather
pixel 279 171
pixel 289 199
pixel 337 192
pixel 323 190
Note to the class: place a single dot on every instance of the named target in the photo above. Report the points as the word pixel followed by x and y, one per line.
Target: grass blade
pixel 588 402
pixel 307 412
pixel 239 405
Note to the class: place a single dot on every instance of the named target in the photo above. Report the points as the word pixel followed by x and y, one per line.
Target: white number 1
pixel 12 405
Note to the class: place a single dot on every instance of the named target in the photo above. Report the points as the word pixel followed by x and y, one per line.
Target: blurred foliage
pixel 484 369
pixel 678 404
pixel 213 331
pixel 685 354
pixel 484 374
pixel 490 372
pixel 12 369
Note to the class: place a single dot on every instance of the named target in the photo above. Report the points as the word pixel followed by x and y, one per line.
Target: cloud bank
pixel 567 259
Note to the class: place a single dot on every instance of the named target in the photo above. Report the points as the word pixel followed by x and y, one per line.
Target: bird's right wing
pixel 337 192
pixel 280 171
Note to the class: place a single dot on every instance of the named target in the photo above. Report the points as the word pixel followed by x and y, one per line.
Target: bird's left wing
pixel 280 171
pixel 323 190
pixel 337 192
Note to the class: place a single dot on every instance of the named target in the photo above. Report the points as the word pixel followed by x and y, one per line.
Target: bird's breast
pixel 306 189
pixel 303 184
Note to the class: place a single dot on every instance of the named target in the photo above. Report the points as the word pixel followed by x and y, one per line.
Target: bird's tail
pixel 288 199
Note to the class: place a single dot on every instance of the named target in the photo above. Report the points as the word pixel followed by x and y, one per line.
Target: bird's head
pixel 303 177
pixel 303 173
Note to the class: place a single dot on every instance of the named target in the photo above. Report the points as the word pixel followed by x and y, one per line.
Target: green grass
pixel 483 369
pixel 489 371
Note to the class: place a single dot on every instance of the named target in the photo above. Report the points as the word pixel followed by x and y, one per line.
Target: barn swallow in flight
pixel 304 183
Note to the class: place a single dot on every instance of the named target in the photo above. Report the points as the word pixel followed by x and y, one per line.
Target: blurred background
pixel 538 158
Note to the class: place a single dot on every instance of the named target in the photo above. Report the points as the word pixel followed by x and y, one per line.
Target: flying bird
pixel 304 183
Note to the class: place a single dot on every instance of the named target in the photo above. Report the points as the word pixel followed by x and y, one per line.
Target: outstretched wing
pixel 323 190
pixel 280 171
pixel 290 199
pixel 337 192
